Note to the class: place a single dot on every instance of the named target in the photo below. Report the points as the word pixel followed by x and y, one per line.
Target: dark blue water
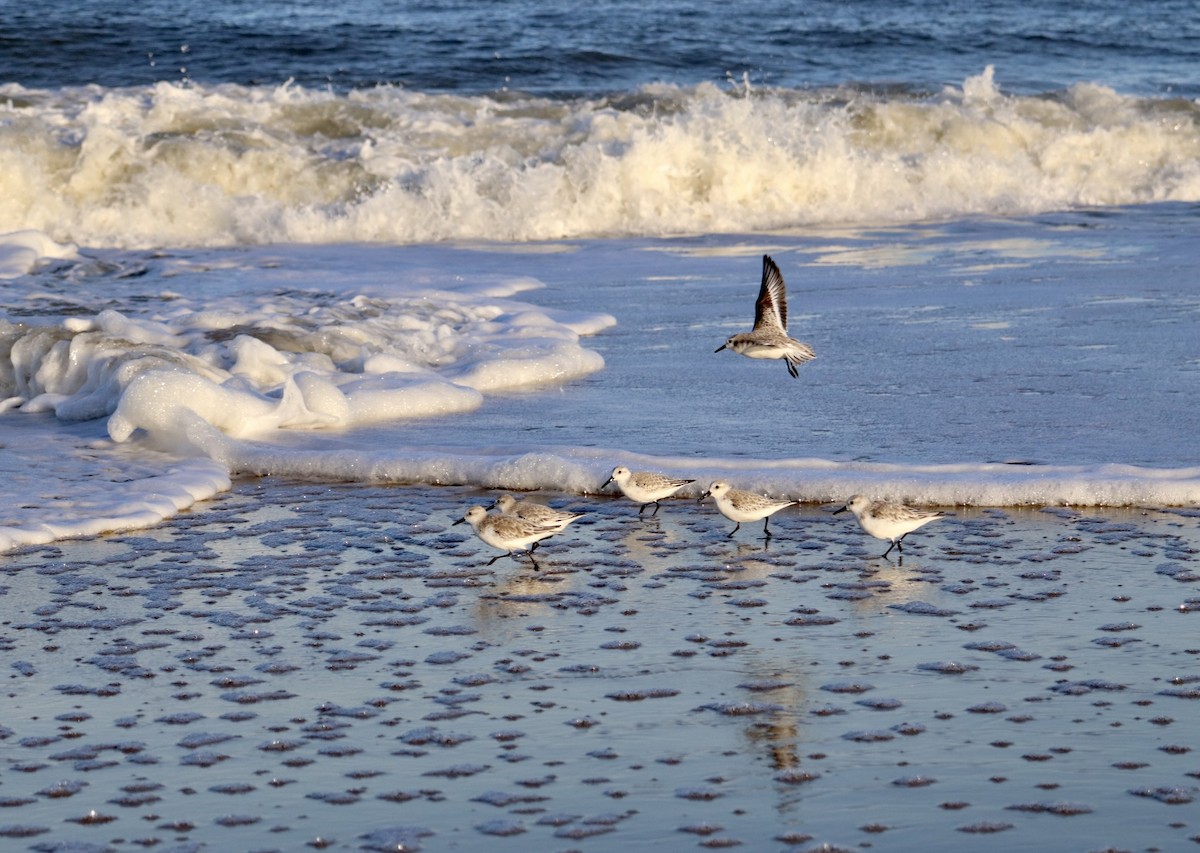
pixel 555 47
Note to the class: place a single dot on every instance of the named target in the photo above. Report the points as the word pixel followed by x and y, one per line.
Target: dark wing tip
pixel 772 297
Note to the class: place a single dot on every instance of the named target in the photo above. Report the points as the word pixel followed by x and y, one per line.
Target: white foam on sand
pixel 584 470
pixel 193 380
pixel 70 482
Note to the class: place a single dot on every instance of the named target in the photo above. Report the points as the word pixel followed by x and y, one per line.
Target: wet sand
pixel 295 667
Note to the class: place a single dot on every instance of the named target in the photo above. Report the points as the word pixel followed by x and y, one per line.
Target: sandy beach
pixel 304 666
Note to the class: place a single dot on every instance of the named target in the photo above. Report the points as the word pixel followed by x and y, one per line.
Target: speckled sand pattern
pixel 294 667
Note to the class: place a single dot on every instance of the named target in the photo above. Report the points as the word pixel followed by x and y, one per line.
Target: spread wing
pixel 770 311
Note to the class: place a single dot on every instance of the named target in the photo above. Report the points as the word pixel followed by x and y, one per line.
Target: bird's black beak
pixel 703 496
pixel 606 482
pixel 718 349
pixel 460 521
pixel 843 509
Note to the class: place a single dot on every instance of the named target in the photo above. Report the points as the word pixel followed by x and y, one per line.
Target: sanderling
pixel 886 520
pixel 535 512
pixel 769 338
pixel 507 532
pixel 645 487
pixel 738 505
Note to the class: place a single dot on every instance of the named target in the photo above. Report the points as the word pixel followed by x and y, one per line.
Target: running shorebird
pixel 535 512
pixel 769 337
pixel 738 505
pixel 506 532
pixel 645 487
pixel 886 520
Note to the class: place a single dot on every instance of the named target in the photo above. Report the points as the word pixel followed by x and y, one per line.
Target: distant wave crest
pixel 193 165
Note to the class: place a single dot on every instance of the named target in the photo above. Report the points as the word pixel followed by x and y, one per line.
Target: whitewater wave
pixel 106 497
pixel 582 470
pixel 135 415
pixel 303 361
pixel 195 165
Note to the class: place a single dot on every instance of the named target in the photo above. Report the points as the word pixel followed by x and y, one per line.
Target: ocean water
pixel 479 246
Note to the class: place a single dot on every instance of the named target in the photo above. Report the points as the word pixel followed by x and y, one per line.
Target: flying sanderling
pixel 738 505
pixel 507 532
pixel 535 512
pixel 769 338
pixel 886 520
pixel 645 487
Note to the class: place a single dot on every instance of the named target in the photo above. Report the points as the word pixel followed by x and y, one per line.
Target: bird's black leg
pixel 736 525
pixel 495 558
pixel 792 370
pixel 890 547
pixel 657 507
pixel 765 530
pixel 533 547
pixel 536 567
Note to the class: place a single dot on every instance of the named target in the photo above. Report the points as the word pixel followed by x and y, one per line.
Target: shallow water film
pixel 336 667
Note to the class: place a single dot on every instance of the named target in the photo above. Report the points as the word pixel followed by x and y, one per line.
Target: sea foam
pixel 24 251
pixel 189 383
pixel 190 164
pixel 249 366
pixel 68 482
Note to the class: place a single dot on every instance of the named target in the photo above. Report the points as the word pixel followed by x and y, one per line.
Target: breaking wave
pixel 182 164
